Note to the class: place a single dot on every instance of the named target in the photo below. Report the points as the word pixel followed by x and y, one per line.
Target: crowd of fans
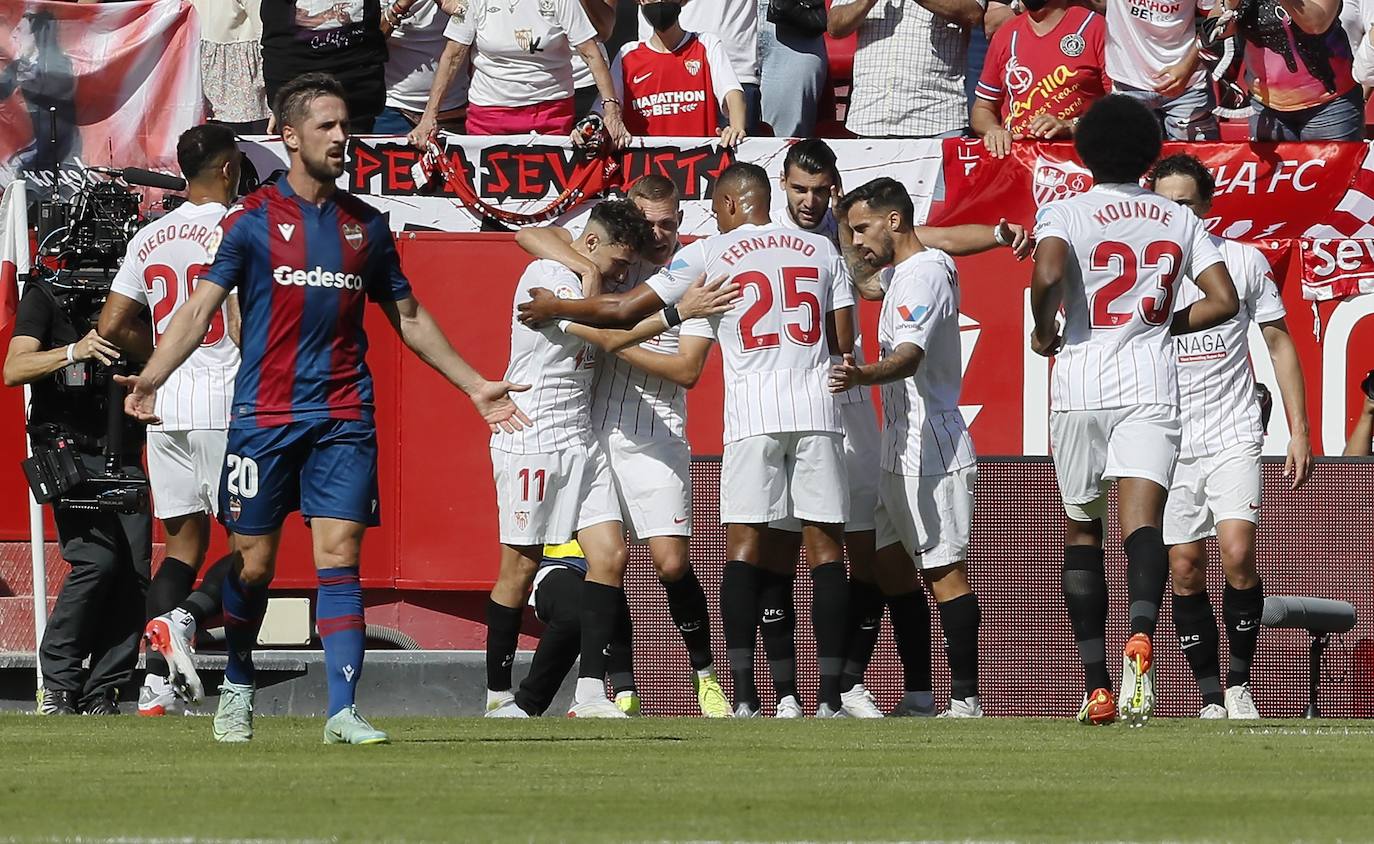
pixel 760 67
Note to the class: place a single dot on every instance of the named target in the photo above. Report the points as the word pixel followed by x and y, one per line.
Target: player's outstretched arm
pixel 1298 467
pixel 902 363
pixel 613 310
pixel 1047 294
pixel 1218 304
pixel 182 338
pixel 554 243
pixel 972 239
pixel 864 276
pixel 683 368
pixel 702 299
pixel 121 323
pixel 423 336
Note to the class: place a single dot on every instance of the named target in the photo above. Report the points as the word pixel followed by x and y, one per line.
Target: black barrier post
pixel 1319 642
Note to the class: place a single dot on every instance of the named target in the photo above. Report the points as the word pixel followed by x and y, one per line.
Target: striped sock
pixel 339 617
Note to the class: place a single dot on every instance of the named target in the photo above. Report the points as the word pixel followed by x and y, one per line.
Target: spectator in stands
pixel 522 70
pixel 1152 55
pixel 909 65
pixel 677 83
pixel 1043 70
pixel 415 45
pixel 793 68
pixel 1356 19
pixel 1361 442
pixel 231 64
pixel 736 24
pixel 344 38
pixel 1298 62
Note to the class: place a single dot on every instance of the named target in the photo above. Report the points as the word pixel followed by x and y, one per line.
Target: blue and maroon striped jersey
pixel 302 273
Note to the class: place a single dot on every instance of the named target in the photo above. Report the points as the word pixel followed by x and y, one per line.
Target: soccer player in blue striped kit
pixel 305 259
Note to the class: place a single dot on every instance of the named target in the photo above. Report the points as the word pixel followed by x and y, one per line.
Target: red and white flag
pixel 14 248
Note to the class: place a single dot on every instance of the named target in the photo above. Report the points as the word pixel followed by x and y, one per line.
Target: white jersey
pixel 1128 247
pixel 830 230
pixel 633 401
pixel 773 341
pixel 1146 36
pixel 160 269
pixel 1216 383
pixel 558 367
pixel 923 431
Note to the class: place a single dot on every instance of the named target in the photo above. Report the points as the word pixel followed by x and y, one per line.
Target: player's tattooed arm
pixel 972 239
pixel 1298 466
pixel 423 336
pixel 122 323
pixel 1218 304
pixel 554 243
pixel 1047 294
pixel 181 338
pixel 901 363
pixel 864 276
pixel 702 299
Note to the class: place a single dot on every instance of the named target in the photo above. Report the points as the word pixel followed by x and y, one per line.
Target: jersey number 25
pixel 804 329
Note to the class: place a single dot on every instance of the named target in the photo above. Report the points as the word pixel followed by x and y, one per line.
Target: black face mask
pixel 1034 5
pixel 661 15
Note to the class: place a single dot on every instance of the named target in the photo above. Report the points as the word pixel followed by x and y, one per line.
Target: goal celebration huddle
pixel 1143 312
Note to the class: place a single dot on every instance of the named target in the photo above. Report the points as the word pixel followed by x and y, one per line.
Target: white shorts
pixel 653 477
pixel 1093 447
pixel 930 515
pixel 184 470
pixel 1212 489
pixel 544 499
pixel 768 477
pixel 863 460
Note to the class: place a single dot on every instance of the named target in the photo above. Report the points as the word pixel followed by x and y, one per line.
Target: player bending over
pixel 305 259
pixel 1216 487
pixel 554 480
pixel 639 413
pixel 925 488
pixel 1111 258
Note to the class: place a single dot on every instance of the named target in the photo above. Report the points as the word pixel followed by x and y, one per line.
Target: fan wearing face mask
pixel 676 83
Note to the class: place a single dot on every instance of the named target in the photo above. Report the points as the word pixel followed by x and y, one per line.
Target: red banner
pixel 1316 195
pixel 109 84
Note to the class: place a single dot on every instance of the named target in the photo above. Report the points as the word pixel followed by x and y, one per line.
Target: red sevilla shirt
pixel 1026 75
pixel 681 93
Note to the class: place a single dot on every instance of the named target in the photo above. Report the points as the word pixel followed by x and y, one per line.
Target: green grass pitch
pixel 460 779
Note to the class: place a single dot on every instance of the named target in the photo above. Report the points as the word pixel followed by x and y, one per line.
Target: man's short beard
pixel 322 170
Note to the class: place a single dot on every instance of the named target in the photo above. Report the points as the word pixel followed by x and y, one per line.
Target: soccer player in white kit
pixel 810 181
pixel 784 452
pixel 925 487
pixel 1112 259
pixel 553 480
pixel 1216 488
pixel 186 449
pixel 639 411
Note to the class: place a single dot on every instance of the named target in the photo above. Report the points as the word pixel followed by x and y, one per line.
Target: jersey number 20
pixel 803 329
pixel 1163 257
pixel 174 292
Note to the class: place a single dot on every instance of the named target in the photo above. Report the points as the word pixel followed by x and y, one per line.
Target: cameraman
pixel 1361 442
pixel 99 612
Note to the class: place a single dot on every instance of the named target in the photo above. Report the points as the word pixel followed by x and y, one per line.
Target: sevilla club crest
pixel 693 66
pixel 1055 180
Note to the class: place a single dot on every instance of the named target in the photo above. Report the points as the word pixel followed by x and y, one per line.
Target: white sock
pixel 625 694
pixel 589 689
pixel 187 622
pixel 155 684
pixel 498 698
pixel 707 673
